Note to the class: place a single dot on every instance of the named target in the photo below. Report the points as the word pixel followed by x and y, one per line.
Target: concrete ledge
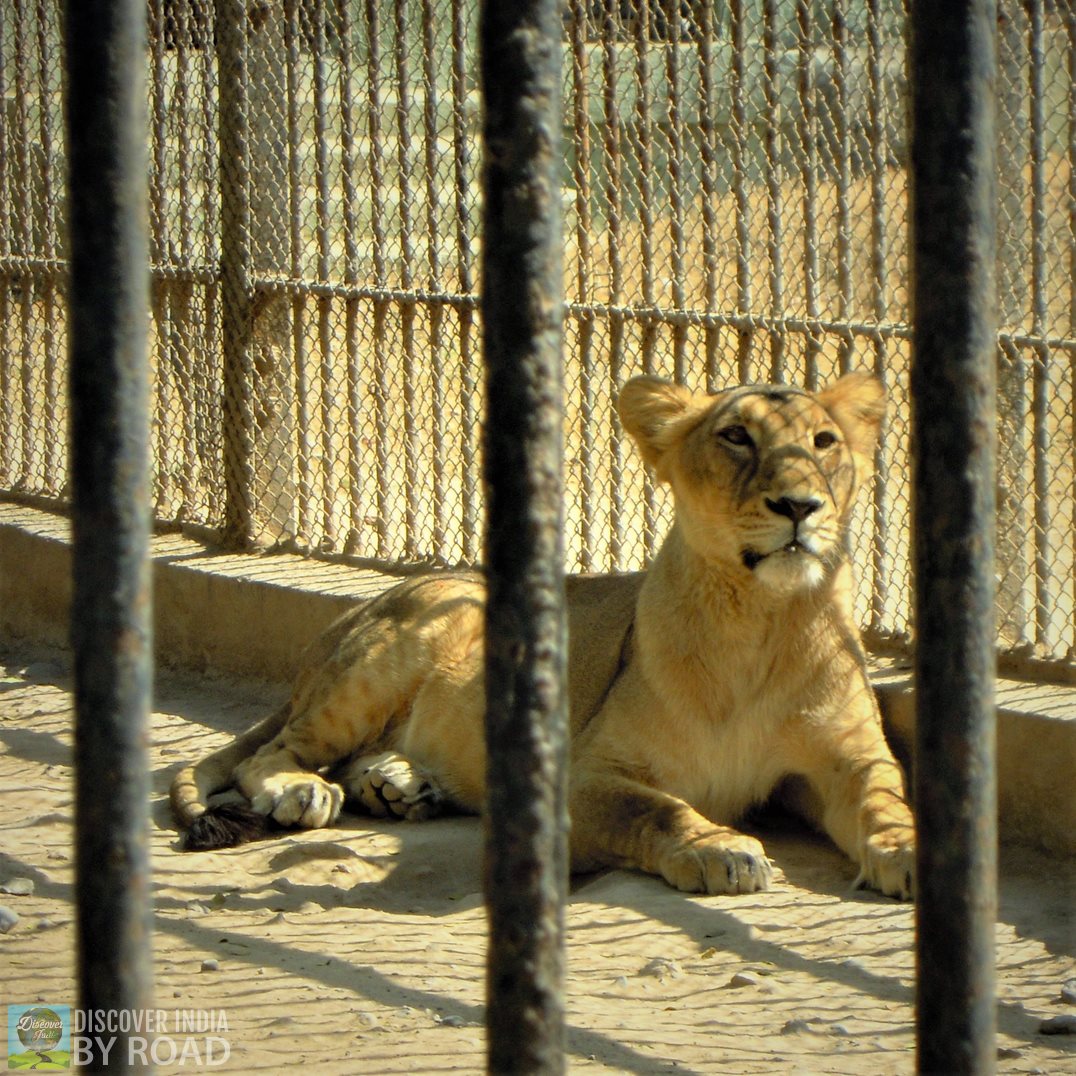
pixel 251 615
pixel 246 615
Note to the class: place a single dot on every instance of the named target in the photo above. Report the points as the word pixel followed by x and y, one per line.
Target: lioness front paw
pixel 309 801
pixel 888 864
pixel 718 865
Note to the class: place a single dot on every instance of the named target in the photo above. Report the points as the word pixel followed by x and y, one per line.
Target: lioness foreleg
pixel 863 806
pixel 618 822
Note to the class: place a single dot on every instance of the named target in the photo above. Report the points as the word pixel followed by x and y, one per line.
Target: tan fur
pixel 731 668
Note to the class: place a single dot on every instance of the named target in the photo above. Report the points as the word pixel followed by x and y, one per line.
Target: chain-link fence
pixel 735 195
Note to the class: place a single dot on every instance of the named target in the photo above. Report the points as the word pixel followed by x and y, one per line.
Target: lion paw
pixel 306 800
pixel 888 864
pixel 389 786
pixel 738 865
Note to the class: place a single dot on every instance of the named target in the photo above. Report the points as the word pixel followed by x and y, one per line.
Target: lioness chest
pixel 718 736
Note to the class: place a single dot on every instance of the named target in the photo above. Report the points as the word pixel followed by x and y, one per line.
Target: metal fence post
pixel 110 616
pixel 953 384
pixel 526 872
pixel 236 271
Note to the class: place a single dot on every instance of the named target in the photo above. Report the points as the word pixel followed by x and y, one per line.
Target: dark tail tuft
pixel 225 826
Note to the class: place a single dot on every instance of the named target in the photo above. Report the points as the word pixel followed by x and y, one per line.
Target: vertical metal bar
pixel 330 382
pixel 741 187
pixel 180 313
pixel 710 158
pixel 405 170
pixel 1070 26
pixel 431 64
pixel 614 197
pixel 774 181
pixel 236 272
pixel 584 265
pixel 377 227
pixel 209 375
pixel 469 392
pixel 350 202
pixel 24 209
pixel 7 405
pixel 953 71
pixel 1014 526
pixel 808 134
pixel 1040 376
pixel 644 128
pixel 52 478
pixel 675 124
pixel 844 180
pixel 304 451
pixel 526 875
pixel 111 621
pixel 879 151
pixel 157 242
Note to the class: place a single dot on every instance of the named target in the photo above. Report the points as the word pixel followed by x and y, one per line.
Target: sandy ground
pixel 361 949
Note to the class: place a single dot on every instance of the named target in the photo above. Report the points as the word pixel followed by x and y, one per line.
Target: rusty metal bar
pixel 159 230
pixel 111 623
pixel 356 497
pixel 304 450
pixel 1040 371
pixel 25 93
pixel 843 148
pixel 329 365
pixel 774 142
pixel 469 392
pixel 376 188
pixel 675 127
pixel 879 157
pixel 741 189
pixel 431 63
pixel 53 461
pixel 1070 27
pixel 807 129
pixel 644 151
pixel 710 157
pixel 584 346
pixel 236 268
pixel 8 427
pixel 405 170
pixel 526 712
pixel 953 69
pixel 612 147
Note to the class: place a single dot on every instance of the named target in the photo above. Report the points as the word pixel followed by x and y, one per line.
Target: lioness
pixel 731 667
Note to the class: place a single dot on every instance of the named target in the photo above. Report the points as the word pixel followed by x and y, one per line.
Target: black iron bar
pixel 953 385
pixel 526 860
pixel 111 629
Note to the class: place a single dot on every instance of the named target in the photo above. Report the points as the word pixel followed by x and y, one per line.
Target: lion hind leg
pixel 389 785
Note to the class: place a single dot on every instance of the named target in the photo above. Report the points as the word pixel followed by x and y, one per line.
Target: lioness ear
pixel 857 403
pixel 653 412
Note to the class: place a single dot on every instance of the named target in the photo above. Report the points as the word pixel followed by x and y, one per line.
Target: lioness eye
pixel 735 435
pixel 825 439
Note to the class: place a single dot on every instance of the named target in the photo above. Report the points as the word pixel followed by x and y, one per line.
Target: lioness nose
pixel 796 510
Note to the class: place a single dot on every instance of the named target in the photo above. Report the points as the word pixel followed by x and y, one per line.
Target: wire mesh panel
pixel 735 200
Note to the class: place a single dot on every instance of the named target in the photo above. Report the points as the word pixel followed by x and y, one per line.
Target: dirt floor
pixel 361 949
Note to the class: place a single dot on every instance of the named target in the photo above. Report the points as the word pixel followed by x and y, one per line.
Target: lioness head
pixel 764 476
